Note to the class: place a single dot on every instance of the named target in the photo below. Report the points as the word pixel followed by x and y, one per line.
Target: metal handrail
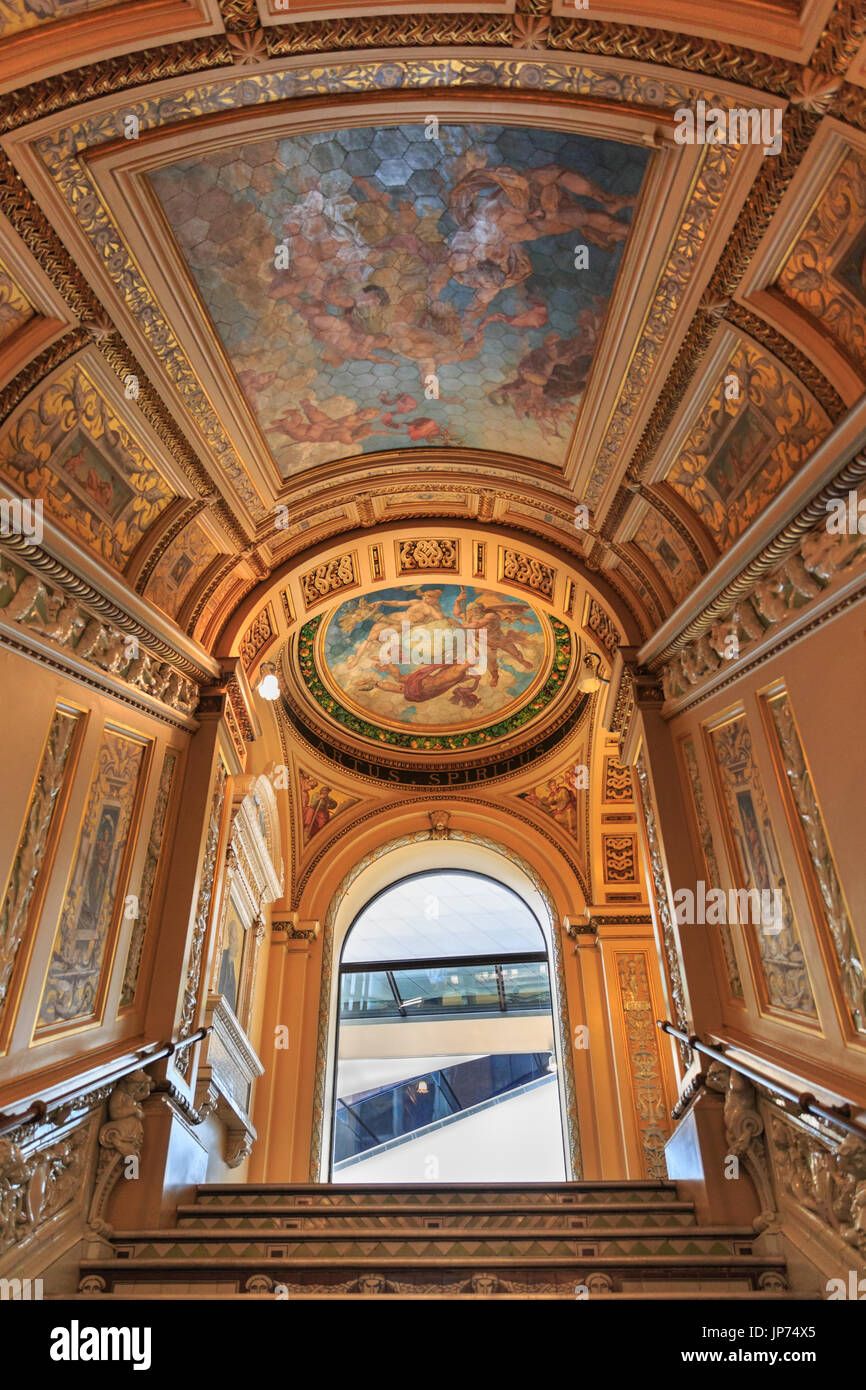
pixel 39 1109
pixel 806 1103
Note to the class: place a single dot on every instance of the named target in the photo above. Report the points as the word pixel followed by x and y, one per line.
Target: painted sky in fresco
pixel 510 665
pixel 407 257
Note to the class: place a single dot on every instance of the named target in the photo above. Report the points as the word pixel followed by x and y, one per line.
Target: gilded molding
pixel 663 910
pixel 202 917
pixel 69 622
pixel 780 548
pixel 38 368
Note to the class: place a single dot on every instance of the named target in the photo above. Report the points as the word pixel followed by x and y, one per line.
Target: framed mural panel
pixel 843 957
pixel 707 857
pixel 30 872
pixel 153 872
pixel 77 977
pixel 776 956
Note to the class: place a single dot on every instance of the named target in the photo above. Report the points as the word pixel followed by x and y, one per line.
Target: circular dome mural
pixel 429 666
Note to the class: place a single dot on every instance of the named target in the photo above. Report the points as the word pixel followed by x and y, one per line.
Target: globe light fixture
pixel 268 686
pixel 590 679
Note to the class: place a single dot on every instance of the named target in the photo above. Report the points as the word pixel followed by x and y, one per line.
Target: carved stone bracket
pixel 121 1137
pixel 439 825
pixel 744 1132
pixel 295 928
pixel 583 931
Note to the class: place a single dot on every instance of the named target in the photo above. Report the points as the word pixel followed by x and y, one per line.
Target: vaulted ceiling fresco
pixel 268 279
pixel 389 286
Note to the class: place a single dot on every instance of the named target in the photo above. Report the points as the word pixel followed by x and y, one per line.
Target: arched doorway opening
pixel 445 1060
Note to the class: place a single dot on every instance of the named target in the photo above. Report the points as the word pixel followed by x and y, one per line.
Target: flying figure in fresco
pixel 492 612
pixel 428 682
pixel 552 375
pixel 419 612
pixel 498 210
pixel 311 425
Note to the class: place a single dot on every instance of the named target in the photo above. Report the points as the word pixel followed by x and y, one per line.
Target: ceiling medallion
pixel 429 669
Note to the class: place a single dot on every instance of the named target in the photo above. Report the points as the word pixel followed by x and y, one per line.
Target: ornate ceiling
pixel 281 291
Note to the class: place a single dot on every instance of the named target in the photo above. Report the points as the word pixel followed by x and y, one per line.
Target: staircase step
pixel 637 1215
pixel 421 1244
pixel 622 1240
pixel 274 1196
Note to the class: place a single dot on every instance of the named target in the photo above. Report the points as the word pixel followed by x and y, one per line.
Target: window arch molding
pixel 388 864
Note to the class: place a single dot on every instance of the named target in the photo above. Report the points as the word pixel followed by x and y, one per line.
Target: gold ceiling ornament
pixel 164 540
pixel 815 91
pixel 797 363
pixel 238 15
pixel 37 368
pixel 530 31
pixel 43 243
pixel 51 255
pixel 717 167
pixel 842 38
pixel 757 213
pixel 763 202
pixel 659 504
pixel 683 52
pixel 249 47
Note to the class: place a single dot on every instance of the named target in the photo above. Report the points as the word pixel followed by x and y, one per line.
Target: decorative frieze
pixel 820 561
pixel 33 605
pixel 619 856
pixel 598 624
pixel 259 634
pixel 645 1066
pixel 527 572
pixel 330 578
pixel 36 1187
pixel 427 553
pixel 819 1174
pixel 616 782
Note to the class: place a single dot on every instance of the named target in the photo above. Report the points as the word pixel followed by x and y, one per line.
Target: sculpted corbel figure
pixel 120 1137
pixel 744 1132
pixel 769 598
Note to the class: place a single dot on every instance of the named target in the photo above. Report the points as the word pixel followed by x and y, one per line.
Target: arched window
pixel 445 1065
